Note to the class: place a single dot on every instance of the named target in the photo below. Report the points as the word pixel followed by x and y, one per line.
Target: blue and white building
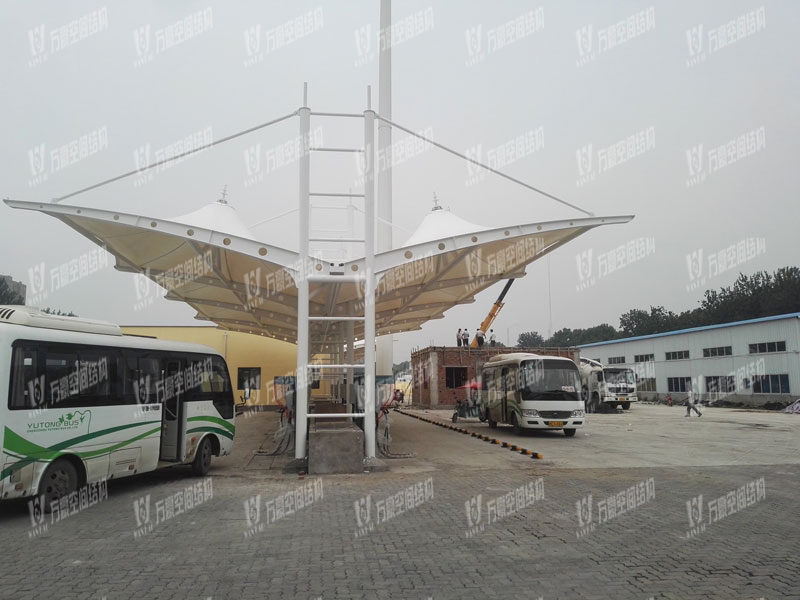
pixel 755 362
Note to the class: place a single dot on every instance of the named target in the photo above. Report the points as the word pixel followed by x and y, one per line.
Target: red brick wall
pixel 452 356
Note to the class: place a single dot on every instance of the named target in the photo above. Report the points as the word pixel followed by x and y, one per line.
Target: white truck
pixel 606 387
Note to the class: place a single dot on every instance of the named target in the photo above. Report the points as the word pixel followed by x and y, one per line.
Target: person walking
pixel 458 338
pixel 691 405
pixel 465 337
pixel 492 338
pixel 479 335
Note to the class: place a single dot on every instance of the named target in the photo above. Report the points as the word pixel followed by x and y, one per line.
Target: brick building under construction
pixel 440 372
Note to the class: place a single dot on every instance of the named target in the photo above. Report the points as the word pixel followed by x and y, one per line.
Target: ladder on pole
pixel 304 318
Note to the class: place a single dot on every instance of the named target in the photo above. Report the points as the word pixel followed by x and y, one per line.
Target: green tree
pixel 58 313
pixel 530 339
pixel 9 297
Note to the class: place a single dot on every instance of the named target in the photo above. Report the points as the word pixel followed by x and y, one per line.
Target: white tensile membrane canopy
pixel 210 260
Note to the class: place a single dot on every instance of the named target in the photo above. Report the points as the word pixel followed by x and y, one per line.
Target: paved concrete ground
pixel 432 550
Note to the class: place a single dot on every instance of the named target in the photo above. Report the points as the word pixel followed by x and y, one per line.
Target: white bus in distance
pixel 82 403
pixel 530 391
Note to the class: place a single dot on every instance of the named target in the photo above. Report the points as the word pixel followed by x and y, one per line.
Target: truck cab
pixel 606 387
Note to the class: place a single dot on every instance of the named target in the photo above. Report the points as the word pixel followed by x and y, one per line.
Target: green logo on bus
pixel 66 422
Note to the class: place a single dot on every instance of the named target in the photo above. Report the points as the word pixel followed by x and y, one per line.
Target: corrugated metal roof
pixel 694 329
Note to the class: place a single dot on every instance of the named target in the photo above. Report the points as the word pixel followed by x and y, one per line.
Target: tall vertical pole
pixel 351 358
pixel 301 388
pixel 369 284
pixel 385 349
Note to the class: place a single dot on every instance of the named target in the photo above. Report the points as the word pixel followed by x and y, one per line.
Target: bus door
pixel 504 395
pixel 172 416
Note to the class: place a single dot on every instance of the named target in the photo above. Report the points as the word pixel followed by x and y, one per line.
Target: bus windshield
pixel 547 379
pixel 620 376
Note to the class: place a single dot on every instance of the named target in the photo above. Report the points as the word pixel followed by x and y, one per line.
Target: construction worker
pixel 492 338
pixel 479 335
pixel 458 338
pixel 465 337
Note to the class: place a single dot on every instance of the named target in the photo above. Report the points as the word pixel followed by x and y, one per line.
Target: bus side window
pixel 61 376
pixel 27 388
pixel 149 383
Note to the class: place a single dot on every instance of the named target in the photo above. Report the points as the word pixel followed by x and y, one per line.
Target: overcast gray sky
pixel 669 82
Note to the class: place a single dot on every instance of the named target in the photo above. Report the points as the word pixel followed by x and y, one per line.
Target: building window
pixel 764 347
pixel 455 377
pixel 724 384
pixel 639 358
pixel 678 355
pixel 719 351
pixel 248 378
pixel 679 384
pixel 646 384
pixel 616 360
pixel 771 384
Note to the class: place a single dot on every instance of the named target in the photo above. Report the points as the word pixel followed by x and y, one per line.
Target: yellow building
pixel 254 361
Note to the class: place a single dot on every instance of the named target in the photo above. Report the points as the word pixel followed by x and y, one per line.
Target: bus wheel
pixel 60 479
pixel 202 460
pixel 626 405
pixel 570 432
pixel 515 425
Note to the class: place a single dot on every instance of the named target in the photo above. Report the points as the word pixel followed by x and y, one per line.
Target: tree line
pixel 761 294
